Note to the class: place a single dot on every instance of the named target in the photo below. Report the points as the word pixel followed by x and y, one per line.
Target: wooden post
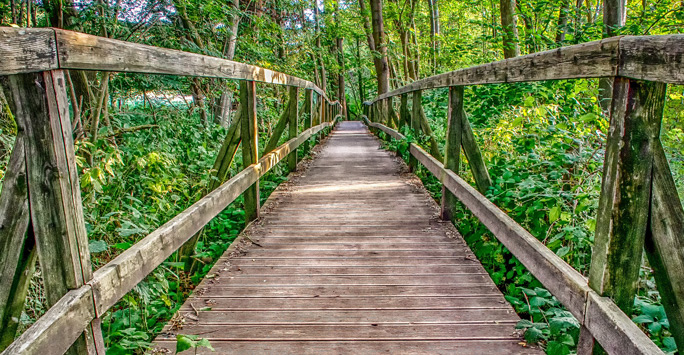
pixel 308 113
pixel 293 125
pixel 665 244
pixel 415 126
pixel 250 141
pixel 321 117
pixel 624 204
pixel 452 154
pixel 42 112
pixel 17 247
pixel 404 115
pixel 472 152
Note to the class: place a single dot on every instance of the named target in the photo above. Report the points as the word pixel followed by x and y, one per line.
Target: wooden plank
pixel 614 330
pixel 368 332
pixel 585 60
pixel 457 347
pixel 27 50
pixel 665 243
pixel 355 280
pixel 472 152
pixel 18 258
pixel 653 58
pixel 247 268
pixel 42 112
pixel 59 327
pixel 250 149
pixel 452 150
pixel 88 52
pixel 293 125
pixel 348 303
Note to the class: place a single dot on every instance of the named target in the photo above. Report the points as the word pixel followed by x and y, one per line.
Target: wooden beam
pixel 18 256
pixel 42 113
pixel 250 140
pixel 88 52
pixel 404 115
pixel 452 151
pixel 653 58
pixel 279 128
pixel 586 60
pixel 293 124
pixel 665 244
pixel 307 113
pixel 415 125
pixel 472 152
pixel 27 50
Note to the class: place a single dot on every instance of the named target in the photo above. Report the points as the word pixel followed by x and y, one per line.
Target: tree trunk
pixel 319 51
pixel 380 59
pixel 234 19
pixel 563 17
pixel 510 29
pixel 434 32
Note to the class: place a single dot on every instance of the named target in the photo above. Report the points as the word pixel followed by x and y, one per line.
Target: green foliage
pixel 185 342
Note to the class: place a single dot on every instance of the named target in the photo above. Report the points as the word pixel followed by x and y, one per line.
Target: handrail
pixel 611 327
pixel 653 58
pixel 64 322
pixel 28 50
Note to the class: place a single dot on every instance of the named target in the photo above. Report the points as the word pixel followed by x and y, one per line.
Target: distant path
pixel 351 258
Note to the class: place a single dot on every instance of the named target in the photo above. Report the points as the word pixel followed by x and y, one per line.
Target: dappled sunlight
pixel 354 187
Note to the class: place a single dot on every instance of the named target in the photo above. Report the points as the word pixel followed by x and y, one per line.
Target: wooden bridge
pixel 351 255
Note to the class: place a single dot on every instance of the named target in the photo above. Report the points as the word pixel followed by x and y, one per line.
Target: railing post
pixel 308 114
pixel 624 204
pixel 250 141
pixel 404 116
pixel 56 210
pixel 293 125
pixel 452 154
pixel 415 126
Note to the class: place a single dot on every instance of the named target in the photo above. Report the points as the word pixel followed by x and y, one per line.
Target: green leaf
pixel 642 319
pixel 554 214
pixel 97 246
pixel 556 348
pixel 205 343
pixel 184 342
pixel 533 335
pixel 670 345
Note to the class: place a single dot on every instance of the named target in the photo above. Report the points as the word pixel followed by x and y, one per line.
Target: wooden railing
pixel 639 208
pixel 41 185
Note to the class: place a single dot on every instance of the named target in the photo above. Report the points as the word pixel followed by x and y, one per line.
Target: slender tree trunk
pixel 510 29
pixel 234 19
pixel 563 16
pixel 319 50
pixel 380 59
pixel 362 90
pixel 434 32
pixel 13 5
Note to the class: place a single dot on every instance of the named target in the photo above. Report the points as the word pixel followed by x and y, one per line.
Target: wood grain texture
pixel 653 58
pixel 27 50
pixel 323 271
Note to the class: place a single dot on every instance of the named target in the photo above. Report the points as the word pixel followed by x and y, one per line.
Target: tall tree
pixel 614 15
pixel 510 29
pixel 380 55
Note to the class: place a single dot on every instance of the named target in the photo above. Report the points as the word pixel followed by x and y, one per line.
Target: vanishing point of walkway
pixel 349 257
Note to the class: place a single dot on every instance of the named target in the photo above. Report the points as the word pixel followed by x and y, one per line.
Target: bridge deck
pixel 351 257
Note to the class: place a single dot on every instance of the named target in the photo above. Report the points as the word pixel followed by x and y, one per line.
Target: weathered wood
pixel 415 125
pixel 624 204
pixel 586 60
pixel 452 150
pixel 307 114
pixel 306 290
pixel 250 150
pixel 472 152
pixel 279 128
pixel 653 58
pixel 404 115
pixel 26 50
pixel 293 124
pixel 42 112
pixel 665 243
pixel 83 51
pixel 614 330
pixel 17 258
pixel 59 327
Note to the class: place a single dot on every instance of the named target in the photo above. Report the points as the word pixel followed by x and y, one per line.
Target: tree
pixel 510 29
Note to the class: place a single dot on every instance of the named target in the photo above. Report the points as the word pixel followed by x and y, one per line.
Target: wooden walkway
pixel 349 257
